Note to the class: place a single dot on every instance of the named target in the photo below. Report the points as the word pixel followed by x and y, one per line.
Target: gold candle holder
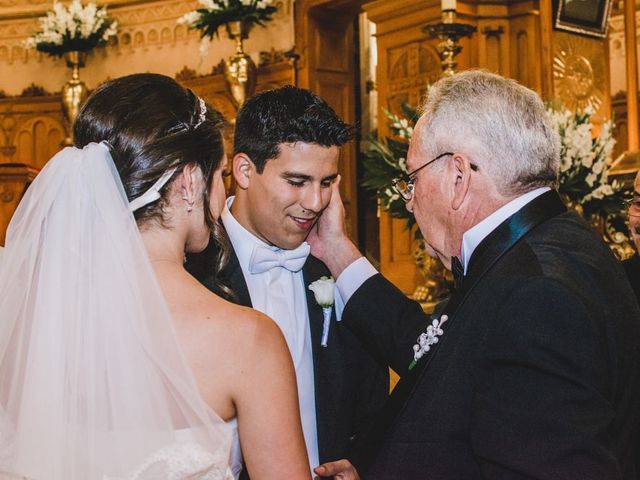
pixel 240 71
pixel 449 31
pixel 74 92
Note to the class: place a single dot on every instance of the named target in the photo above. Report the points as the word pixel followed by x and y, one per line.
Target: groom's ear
pixel 243 169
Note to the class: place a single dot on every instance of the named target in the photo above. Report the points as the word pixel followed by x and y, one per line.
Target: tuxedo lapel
pixel 233 277
pixel 490 250
pixel 327 361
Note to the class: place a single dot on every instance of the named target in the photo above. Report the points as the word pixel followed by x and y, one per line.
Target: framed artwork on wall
pixel 586 17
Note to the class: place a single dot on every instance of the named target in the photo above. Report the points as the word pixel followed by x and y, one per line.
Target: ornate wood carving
pixel 14 180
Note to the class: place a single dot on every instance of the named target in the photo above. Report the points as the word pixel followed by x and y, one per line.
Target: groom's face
pixel 281 204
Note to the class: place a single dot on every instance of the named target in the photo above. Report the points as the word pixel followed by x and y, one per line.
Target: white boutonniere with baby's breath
pixel 427 339
pixel 324 293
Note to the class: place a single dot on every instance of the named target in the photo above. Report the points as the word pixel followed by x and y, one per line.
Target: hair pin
pixel 203 112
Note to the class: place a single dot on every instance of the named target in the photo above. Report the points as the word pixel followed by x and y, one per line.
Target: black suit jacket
pixel 632 269
pixel 350 386
pixel 536 375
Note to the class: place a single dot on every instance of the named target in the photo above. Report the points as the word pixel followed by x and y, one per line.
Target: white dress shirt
pixel 352 277
pixel 282 295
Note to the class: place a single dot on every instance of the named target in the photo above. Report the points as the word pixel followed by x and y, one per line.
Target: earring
pixel 189 204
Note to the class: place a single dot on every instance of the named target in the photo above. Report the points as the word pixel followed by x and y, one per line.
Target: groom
pixel 286 150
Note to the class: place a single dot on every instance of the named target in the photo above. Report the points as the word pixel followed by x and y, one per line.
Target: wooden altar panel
pixel 14 180
pixel 32 129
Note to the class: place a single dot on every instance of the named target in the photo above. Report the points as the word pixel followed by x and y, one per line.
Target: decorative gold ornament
pixel 240 71
pixel 74 92
pixel 449 32
pixel 578 72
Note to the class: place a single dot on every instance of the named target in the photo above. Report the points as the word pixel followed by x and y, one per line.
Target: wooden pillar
pixel 632 73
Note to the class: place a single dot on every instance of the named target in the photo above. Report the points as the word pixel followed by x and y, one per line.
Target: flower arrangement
pixel 215 13
pixel 72 28
pixel 584 171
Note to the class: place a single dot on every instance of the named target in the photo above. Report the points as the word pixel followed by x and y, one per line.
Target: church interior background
pixel 365 58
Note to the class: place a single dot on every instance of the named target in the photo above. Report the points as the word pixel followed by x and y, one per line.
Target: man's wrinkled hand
pixel 330 227
pixel 340 470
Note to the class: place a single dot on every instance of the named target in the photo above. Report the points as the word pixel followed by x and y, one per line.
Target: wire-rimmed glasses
pixel 405 184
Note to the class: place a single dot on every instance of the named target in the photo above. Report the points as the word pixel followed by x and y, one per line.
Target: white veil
pixel 93 384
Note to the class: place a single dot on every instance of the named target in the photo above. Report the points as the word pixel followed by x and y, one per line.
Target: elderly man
pixel 632 265
pixel 532 370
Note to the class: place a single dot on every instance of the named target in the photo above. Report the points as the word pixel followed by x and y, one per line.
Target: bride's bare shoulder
pixel 220 320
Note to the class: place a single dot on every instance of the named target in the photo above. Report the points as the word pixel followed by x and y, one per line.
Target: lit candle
pixel 448 5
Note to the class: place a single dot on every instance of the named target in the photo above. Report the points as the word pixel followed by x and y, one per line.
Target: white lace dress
pixel 188 460
pixel 183 460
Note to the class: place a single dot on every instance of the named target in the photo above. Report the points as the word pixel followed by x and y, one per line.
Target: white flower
pixel 75 22
pixel 323 291
pixel 189 18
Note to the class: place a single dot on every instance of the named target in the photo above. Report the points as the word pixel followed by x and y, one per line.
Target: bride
pixel 114 362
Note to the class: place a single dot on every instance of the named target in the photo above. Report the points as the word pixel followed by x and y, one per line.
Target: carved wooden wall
pixel 14 180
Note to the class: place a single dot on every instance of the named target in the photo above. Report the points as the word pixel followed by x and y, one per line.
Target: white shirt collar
pixel 472 237
pixel 242 239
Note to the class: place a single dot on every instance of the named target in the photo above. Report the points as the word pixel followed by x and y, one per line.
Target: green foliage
pixel 216 13
pixel 386 159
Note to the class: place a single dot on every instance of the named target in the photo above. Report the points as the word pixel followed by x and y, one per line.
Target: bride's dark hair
pixel 152 124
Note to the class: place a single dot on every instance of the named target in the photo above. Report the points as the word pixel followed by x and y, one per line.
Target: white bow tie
pixel 264 259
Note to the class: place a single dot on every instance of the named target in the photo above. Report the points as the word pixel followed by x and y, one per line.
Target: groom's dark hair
pixel 286 115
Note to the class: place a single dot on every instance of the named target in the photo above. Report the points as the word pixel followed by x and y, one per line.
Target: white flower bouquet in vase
pixel 72 32
pixel 584 180
pixel 239 17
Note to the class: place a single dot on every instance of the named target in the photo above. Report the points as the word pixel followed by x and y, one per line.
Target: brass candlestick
pixel 449 32
pixel 240 71
pixel 74 92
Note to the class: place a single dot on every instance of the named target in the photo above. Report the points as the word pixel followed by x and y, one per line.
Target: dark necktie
pixel 458 272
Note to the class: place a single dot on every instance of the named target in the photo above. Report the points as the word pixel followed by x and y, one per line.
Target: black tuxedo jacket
pixel 632 269
pixel 536 375
pixel 350 386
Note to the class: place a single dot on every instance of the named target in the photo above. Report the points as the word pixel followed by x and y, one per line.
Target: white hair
pixel 499 124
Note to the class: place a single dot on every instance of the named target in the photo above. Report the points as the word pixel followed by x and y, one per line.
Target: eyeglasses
pixel 405 184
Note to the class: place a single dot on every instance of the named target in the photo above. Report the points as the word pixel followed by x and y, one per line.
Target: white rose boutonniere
pixel 323 291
